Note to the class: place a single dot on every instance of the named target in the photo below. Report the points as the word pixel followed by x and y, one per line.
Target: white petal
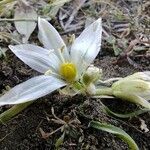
pixel 145 95
pixel 31 89
pixel 87 45
pixel 34 48
pixel 36 57
pixel 145 75
pixel 50 38
pixel 142 101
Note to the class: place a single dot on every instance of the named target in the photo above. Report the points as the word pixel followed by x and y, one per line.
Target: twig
pixel 71 30
pixel 9 37
pixel 75 11
pixel 5 136
pixel 46 135
pixel 11 20
pixel 38 125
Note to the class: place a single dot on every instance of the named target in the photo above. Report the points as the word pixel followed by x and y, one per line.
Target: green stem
pixel 104 91
pixel 13 111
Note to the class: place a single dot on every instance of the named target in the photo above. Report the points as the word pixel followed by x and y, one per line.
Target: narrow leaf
pixel 127 115
pixel 53 8
pixel 58 2
pixel 13 111
pixel 60 141
pixel 115 130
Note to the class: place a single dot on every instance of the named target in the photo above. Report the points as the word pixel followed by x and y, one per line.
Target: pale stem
pixel 30 20
pixel 104 91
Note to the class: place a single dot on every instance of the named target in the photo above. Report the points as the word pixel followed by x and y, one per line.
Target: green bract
pixel 91 75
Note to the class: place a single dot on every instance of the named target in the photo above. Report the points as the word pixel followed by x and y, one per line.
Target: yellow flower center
pixel 68 71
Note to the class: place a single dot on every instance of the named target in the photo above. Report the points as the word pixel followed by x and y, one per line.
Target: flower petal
pixel 87 45
pixel 36 57
pixel 31 89
pixel 50 38
pixel 145 95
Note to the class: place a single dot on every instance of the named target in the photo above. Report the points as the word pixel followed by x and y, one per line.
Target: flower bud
pixel 138 83
pixel 135 88
pixel 91 75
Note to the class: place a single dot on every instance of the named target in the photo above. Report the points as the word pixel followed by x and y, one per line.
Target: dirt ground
pixel 23 131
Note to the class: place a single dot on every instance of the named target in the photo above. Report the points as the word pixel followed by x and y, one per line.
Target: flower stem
pixel 104 91
pixel 14 110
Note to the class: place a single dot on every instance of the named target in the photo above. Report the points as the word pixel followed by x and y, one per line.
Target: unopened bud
pixel 136 84
pixel 91 75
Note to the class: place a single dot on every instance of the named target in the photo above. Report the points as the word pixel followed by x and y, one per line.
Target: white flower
pixel 60 66
pixel 135 88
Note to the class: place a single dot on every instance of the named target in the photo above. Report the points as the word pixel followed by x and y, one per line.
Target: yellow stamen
pixel 68 71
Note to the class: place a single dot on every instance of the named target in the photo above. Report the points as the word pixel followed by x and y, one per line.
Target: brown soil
pixel 22 132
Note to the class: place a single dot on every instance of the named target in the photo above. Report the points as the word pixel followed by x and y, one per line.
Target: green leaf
pixel 111 40
pixel 127 115
pixel 60 141
pixel 53 7
pixel 115 130
pixel 117 50
pixel 2 52
pixel 13 111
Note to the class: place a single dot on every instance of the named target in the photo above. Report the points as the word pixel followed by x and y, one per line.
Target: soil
pixel 23 132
